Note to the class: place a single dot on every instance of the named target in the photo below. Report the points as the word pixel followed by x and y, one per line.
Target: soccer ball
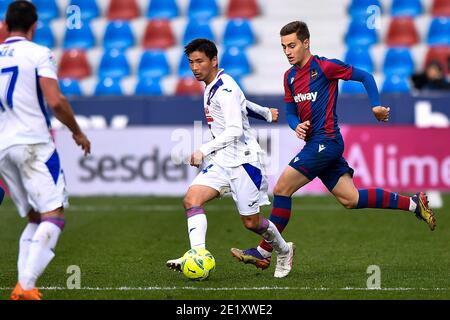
pixel 197 264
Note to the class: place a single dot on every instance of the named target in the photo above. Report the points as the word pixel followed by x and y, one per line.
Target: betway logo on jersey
pixel 310 96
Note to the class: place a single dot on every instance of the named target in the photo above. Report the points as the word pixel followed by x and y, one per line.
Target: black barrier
pixel 118 112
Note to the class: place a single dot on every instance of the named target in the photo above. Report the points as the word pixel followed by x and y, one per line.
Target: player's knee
pixel 34 217
pixel 251 223
pixel 55 217
pixel 282 190
pixel 190 201
pixel 348 203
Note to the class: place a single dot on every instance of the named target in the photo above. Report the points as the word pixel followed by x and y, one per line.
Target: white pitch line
pixel 236 289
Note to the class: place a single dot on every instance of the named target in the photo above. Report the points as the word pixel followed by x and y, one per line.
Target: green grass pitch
pixel 121 244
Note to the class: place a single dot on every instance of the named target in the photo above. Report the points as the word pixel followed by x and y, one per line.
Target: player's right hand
pixel 83 141
pixel 301 129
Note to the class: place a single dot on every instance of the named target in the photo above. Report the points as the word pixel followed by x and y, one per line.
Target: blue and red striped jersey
pixel 314 88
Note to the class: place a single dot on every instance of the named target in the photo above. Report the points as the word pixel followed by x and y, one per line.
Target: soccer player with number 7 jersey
pixel 311 90
pixel 29 162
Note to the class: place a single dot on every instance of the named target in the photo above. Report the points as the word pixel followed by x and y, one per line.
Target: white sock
pixel 40 253
pixel 24 246
pixel 264 252
pixel 273 236
pixel 197 226
pixel 412 205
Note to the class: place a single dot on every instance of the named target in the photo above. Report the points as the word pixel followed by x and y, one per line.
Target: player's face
pixel 203 68
pixel 294 49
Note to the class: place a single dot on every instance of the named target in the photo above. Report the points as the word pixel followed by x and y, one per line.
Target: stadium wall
pixel 153 160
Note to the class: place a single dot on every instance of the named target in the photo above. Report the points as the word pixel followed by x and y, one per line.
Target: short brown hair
pixel 298 27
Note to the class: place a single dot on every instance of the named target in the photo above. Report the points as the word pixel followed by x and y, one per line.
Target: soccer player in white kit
pixel 234 159
pixel 29 162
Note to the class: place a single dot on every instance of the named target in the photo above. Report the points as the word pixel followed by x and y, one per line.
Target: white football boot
pixel 284 262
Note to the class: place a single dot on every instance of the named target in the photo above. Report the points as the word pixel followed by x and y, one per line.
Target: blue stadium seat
pixel 235 62
pixel 162 9
pixel 360 58
pixel 114 64
pixel 197 29
pixel 81 38
pixel 118 35
pixel 439 32
pixel 108 87
pixel 3 7
pixel 153 64
pixel 88 8
pixel 398 61
pixel 47 9
pixel 70 87
pixel 410 8
pixel 238 33
pixel 148 87
pixel 183 67
pixel 202 9
pixel 358 8
pixel 352 87
pixel 44 35
pixel 358 34
pixel 395 84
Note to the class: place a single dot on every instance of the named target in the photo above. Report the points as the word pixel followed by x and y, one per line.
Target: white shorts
pixel 34 177
pixel 247 184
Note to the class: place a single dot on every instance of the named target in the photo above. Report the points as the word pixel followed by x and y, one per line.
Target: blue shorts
pixel 323 159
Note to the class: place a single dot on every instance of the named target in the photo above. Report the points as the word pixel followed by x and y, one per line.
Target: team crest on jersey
pixel 209 118
pixel 314 74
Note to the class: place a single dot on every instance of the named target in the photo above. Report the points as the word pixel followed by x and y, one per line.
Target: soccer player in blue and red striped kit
pixel 311 89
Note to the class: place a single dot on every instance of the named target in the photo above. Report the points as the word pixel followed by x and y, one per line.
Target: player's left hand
pixel 81 140
pixel 274 113
pixel 381 113
pixel 196 158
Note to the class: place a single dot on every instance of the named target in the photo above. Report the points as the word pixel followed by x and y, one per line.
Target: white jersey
pixel 233 141
pixel 23 115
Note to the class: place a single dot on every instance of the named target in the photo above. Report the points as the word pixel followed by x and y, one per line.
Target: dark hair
pixel 435 63
pixel 21 15
pixel 298 27
pixel 203 45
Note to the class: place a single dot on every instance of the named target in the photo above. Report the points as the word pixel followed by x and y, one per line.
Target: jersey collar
pixel 13 39
pixel 308 63
pixel 219 73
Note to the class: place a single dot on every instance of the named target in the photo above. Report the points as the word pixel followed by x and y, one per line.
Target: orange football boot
pixel 20 294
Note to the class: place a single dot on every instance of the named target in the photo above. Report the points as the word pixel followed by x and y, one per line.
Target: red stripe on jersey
pixel 303 83
pixel 372 198
pixel 386 198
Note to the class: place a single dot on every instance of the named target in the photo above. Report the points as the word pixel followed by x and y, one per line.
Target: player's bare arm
pixel 381 113
pixel 63 112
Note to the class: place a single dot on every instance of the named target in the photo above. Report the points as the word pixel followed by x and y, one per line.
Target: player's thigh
pixel 346 192
pixel 210 183
pixel 42 176
pixel 289 182
pixel 11 176
pixel 246 182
